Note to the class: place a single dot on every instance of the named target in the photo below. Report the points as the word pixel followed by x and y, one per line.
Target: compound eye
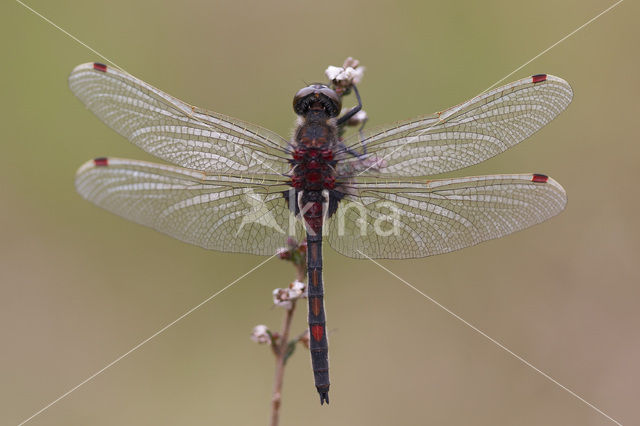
pixel 298 106
pixel 317 93
pixel 334 99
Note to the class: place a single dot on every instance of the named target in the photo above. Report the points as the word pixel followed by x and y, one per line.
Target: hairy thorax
pixel 313 157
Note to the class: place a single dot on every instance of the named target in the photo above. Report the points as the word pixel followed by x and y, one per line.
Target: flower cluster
pixel 347 75
pixel 295 252
pixel 283 297
pixel 261 334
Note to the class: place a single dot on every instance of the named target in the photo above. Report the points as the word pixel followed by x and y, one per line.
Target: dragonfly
pixel 233 186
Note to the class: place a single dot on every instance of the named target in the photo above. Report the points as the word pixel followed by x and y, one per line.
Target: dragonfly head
pixel 317 96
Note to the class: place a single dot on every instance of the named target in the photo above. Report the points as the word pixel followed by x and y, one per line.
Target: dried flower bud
pixel 358 119
pixel 344 77
pixel 260 334
pixel 283 253
pixel 355 74
pixel 297 289
pixel 304 339
pixel 332 72
pixel 281 298
pixel 350 62
pixel 292 243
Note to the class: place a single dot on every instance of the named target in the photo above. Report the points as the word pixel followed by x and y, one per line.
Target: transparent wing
pixel 461 136
pixel 173 130
pixel 407 220
pixel 226 213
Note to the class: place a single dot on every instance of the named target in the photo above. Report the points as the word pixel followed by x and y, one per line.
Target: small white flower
pixel 348 74
pixel 283 252
pixel 351 62
pixel 342 76
pixel 304 339
pixel 360 117
pixel 332 72
pixel 284 296
pixel 281 298
pixel 297 289
pixel 260 334
pixel 354 75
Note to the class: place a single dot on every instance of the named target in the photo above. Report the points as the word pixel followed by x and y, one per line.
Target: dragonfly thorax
pixel 313 163
pixel 313 169
pixel 315 140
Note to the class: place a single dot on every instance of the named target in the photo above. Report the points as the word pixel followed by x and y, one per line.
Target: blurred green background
pixel 81 286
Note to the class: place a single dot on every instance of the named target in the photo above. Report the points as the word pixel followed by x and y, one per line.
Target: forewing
pixel 407 220
pixel 173 130
pixel 226 213
pixel 467 134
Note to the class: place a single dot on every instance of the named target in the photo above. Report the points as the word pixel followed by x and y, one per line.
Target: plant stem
pixel 281 353
pixel 280 360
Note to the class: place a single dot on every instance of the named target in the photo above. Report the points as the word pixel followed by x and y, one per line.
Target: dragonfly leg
pixel 353 152
pixel 345 118
pixel 362 142
pixel 353 111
